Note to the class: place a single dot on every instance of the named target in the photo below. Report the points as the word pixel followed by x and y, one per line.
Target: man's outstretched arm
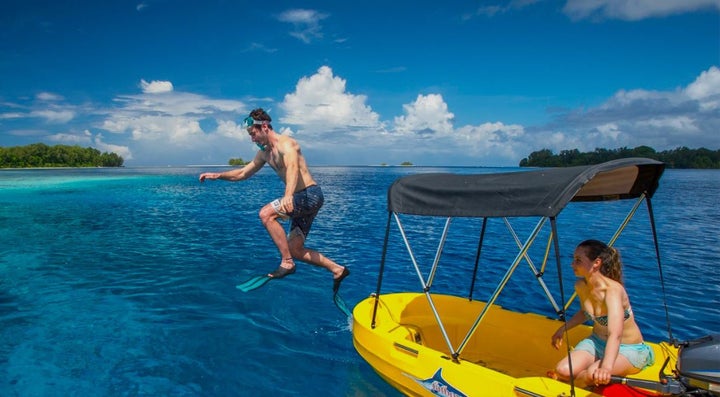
pixel 237 174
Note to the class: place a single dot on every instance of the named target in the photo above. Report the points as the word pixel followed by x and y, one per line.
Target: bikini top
pixel 603 320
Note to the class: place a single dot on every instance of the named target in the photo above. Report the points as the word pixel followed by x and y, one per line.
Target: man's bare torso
pixel 276 158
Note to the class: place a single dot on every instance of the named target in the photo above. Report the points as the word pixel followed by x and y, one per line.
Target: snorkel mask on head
pixel 249 122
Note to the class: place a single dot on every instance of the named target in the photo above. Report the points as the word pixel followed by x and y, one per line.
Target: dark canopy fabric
pixel 543 192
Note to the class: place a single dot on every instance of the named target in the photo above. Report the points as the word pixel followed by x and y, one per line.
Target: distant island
pixel 681 157
pixel 237 162
pixel 39 155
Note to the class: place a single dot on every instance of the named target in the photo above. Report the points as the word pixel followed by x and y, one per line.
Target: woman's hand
pixel 601 376
pixel 557 338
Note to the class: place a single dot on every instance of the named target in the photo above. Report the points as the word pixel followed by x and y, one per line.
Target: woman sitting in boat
pixel 616 345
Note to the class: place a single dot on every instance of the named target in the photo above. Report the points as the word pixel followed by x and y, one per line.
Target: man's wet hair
pixel 260 114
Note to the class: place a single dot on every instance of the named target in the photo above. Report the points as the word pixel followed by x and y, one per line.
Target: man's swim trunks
pixel 306 204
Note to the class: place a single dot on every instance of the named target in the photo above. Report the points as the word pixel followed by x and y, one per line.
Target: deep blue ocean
pixel 121 282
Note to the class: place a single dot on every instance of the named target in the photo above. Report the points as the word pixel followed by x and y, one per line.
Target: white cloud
pixel 632 10
pixel 306 23
pixel 706 89
pixel 707 84
pixel 495 9
pixel 156 87
pixel 679 123
pixel 166 127
pixel 322 100
pixel 71 139
pixel 496 140
pixel 170 130
pixel 490 134
pixel 178 104
pixel 48 96
pixel 609 131
pixel 260 47
pixel 230 129
pixel 12 115
pixel 427 115
pixel 54 116
pixel 120 150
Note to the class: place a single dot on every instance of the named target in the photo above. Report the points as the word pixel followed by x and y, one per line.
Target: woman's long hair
pixel 611 265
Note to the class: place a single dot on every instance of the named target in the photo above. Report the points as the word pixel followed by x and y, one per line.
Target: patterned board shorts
pixel 306 204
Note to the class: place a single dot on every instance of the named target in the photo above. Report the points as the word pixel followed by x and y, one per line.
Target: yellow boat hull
pixel 508 355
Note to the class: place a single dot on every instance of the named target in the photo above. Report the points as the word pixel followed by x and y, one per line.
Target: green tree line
pixel 237 161
pixel 42 155
pixel 681 157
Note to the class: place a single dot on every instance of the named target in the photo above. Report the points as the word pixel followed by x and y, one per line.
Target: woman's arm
pixel 577 319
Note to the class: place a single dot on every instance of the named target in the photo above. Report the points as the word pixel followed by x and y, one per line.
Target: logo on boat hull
pixel 438 386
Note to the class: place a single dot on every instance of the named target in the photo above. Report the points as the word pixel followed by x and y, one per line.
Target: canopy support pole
pixel 561 313
pixel 382 269
pixel 438 253
pixel 662 278
pixel 477 258
pixel 627 219
pixel 426 286
pixel 538 275
pixel 503 282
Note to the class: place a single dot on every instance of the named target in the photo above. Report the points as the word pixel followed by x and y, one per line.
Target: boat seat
pixel 503 340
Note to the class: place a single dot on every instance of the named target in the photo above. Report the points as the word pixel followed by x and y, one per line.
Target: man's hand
pixel 209 175
pixel 287 204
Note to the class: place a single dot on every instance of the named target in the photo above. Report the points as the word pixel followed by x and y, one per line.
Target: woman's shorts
pixel 640 355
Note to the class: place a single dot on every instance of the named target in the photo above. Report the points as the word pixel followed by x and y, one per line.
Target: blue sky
pixel 166 82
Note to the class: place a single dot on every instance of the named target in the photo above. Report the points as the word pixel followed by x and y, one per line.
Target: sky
pixel 466 83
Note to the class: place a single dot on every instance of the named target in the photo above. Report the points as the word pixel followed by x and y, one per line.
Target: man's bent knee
pixel 267 214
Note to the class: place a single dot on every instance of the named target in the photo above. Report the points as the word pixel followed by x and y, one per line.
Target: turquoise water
pixel 121 282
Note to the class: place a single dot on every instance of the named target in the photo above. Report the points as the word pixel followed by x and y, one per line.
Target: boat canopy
pixel 542 192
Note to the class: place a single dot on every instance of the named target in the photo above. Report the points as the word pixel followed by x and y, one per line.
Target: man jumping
pixel 301 202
